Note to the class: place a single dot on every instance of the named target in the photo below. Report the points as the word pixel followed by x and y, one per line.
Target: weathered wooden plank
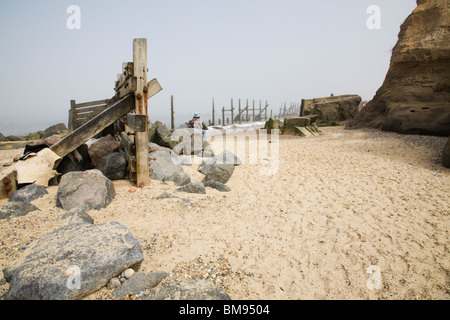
pixel 129 87
pixel 90 109
pixel 73 114
pixel 141 106
pixel 91 103
pixel 93 126
pixel 153 88
pixel 127 73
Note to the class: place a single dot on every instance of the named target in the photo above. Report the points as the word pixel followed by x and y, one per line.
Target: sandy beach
pixel 338 204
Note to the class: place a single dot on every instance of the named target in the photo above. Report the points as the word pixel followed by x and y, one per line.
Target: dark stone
pixel 220 172
pixel 72 262
pixel 137 283
pixel 217 185
pixel 28 193
pixel 16 209
pixel 180 179
pixel 102 147
pixel 193 187
pixel 114 166
pixel 187 290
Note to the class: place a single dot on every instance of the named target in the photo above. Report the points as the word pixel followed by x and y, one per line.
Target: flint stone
pixel 180 179
pixel 138 283
pixel 102 147
pixel 225 157
pixel 163 167
pixel 193 187
pixel 28 193
pixel 187 290
pixel 16 209
pixel 77 215
pixel 113 166
pixel 220 172
pixel 100 251
pixel 217 185
pixel 86 190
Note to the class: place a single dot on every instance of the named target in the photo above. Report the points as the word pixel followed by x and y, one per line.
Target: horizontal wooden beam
pixel 91 109
pixel 93 126
pixel 91 103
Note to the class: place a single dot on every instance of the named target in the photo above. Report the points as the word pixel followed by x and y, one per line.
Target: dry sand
pixel 339 203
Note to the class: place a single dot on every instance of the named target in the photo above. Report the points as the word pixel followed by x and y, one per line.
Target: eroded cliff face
pixel 415 95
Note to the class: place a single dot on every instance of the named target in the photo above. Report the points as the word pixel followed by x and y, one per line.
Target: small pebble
pixel 128 273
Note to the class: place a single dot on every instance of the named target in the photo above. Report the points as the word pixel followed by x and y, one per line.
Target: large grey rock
pixel 161 135
pixel 16 209
pixel 113 166
pixel 193 187
pixel 72 262
pixel 187 290
pixel 86 190
pixel 28 193
pixel 163 166
pixel 102 147
pixel 180 179
pixel 138 283
pixel 220 172
pixel 225 157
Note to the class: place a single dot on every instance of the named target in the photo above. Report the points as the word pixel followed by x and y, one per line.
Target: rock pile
pixel 81 257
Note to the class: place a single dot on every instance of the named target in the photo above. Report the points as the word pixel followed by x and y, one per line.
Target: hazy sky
pixel 279 51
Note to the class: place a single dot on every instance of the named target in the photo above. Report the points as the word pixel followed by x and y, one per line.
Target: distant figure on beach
pixel 196 123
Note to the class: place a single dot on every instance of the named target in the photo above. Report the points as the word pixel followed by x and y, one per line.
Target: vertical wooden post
pixel 246 113
pixel 232 113
pixel 253 118
pixel 260 111
pixel 172 114
pixel 213 114
pixel 240 117
pixel 141 103
pixel 74 115
pixel 265 111
pixel 223 116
